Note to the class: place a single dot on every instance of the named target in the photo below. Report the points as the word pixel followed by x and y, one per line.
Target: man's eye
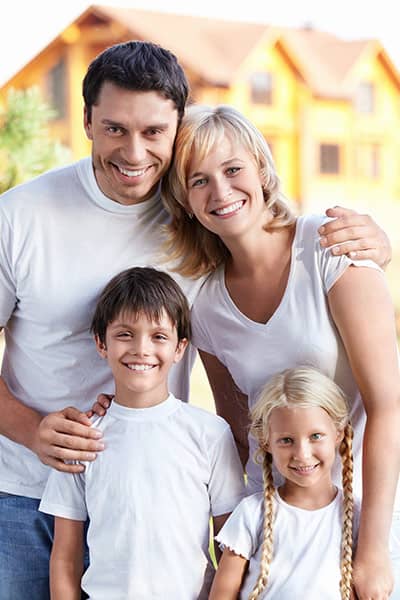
pixel 113 130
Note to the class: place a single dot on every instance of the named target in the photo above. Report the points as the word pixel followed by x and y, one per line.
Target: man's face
pixel 133 135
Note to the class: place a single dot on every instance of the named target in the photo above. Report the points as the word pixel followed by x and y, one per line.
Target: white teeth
pixel 305 469
pixel 133 367
pixel 131 173
pixel 229 209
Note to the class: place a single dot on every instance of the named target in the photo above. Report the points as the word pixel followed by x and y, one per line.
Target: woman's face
pixel 225 191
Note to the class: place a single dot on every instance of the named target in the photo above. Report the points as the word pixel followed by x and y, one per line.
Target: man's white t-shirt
pixel 61 241
pixel 149 497
pixel 306 548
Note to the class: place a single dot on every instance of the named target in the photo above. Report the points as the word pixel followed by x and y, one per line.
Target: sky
pixel 27 26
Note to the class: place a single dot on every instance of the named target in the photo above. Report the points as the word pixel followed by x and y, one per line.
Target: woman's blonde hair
pixel 197 250
pixel 303 387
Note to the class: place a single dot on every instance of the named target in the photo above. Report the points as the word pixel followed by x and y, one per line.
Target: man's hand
pixel 358 236
pixel 372 577
pixel 67 435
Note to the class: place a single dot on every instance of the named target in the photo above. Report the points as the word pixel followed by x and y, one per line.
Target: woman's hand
pixel 358 236
pixel 372 576
pixel 101 405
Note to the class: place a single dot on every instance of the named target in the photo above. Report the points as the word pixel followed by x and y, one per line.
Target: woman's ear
pixel 101 347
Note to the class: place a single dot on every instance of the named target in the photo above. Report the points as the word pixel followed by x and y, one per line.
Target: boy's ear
pixel 180 349
pixel 101 347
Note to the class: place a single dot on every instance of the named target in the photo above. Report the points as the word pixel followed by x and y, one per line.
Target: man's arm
pixel 66 561
pixel 357 235
pixel 59 436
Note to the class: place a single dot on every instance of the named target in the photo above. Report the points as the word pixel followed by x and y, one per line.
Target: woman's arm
pixel 66 561
pixel 359 236
pixel 363 312
pixel 229 576
pixel 230 403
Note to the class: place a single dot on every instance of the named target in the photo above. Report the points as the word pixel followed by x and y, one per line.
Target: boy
pixel 166 468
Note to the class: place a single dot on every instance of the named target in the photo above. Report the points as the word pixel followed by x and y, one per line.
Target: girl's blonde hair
pixel 196 250
pixel 303 387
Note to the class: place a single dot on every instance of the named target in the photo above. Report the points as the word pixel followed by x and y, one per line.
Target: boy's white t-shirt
pixel 149 496
pixel 306 548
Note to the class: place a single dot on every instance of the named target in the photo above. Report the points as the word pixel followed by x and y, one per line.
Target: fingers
pixel 59 439
pixel 102 404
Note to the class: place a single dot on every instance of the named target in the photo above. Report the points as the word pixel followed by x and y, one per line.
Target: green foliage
pixel 26 148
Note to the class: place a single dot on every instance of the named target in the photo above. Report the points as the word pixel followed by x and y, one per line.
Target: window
pixel 365 97
pixel 57 81
pixel 261 88
pixel 329 159
pixel 368 160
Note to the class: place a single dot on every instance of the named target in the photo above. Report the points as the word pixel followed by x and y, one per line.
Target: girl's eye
pixel 286 440
pixel 316 436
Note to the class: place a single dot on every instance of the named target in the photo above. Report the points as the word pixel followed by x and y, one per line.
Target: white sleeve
pixel 8 293
pixel 64 496
pixel 226 484
pixel 198 319
pixel 240 533
pixel 332 267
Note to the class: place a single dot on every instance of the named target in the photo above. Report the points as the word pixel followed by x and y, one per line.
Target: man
pixel 63 236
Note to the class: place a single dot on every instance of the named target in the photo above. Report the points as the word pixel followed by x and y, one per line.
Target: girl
pixel 295 541
pixel 275 299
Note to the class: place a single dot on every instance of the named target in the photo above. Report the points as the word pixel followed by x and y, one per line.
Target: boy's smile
pixel 141 352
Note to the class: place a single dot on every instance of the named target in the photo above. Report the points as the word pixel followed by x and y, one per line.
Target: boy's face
pixel 141 353
pixel 132 137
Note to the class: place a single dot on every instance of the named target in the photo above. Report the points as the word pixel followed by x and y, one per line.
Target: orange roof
pixel 213 48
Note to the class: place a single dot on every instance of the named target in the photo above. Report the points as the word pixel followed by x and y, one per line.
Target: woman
pixel 275 299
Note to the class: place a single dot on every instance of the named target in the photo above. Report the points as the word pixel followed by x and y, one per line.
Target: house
pixel 329 108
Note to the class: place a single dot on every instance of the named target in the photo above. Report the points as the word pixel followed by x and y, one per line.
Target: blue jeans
pixel 26 537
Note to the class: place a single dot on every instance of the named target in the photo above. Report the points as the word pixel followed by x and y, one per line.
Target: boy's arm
pixel 66 561
pixel 229 576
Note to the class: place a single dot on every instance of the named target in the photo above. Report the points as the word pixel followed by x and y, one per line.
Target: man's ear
pixel 180 349
pixel 87 124
pixel 101 347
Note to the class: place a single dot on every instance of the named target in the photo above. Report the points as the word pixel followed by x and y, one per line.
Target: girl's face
pixel 303 444
pixel 225 191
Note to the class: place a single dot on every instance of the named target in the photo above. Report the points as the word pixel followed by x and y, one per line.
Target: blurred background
pixel 321 82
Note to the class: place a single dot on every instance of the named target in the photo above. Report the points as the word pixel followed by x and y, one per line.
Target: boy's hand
pixel 67 435
pixel 101 405
pixel 358 235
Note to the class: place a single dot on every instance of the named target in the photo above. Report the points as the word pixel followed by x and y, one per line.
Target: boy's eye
pixel 160 337
pixel 123 334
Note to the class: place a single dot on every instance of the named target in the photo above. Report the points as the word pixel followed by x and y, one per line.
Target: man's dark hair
pixel 138 66
pixel 142 290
